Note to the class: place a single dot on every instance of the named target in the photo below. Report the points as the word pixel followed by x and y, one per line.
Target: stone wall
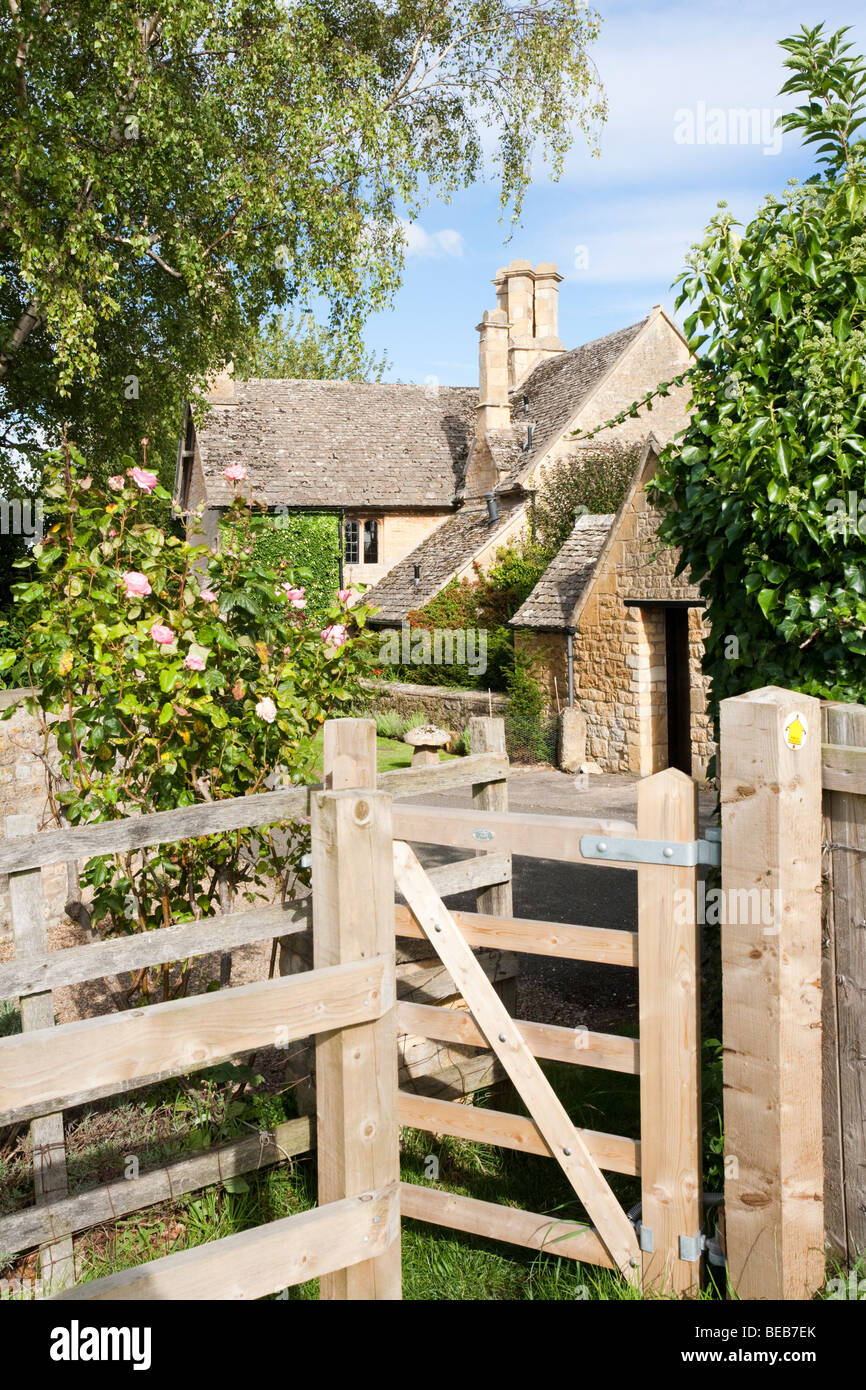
pixel 23 789
pixel 440 704
pixel 619 652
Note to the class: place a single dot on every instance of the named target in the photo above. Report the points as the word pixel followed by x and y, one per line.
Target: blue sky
pixel 637 209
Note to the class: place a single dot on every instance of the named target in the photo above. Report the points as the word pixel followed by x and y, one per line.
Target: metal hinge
pixel 682 853
pixel 692 1247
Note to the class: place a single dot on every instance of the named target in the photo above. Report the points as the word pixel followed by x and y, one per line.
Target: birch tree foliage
pixel 168 173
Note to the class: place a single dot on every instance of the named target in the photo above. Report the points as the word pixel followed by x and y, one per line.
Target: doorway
pixel 677 684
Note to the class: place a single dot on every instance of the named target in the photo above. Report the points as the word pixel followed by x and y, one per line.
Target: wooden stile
pixel 670 1033
pixel 356 1070
pixel 771 843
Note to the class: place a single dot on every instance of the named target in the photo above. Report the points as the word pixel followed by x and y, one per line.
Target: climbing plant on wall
pixel 307 542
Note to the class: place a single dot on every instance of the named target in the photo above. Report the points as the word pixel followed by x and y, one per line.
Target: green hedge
pixel 308 545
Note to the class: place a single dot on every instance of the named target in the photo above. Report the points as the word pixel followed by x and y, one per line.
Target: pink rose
pixel 162 634
pixel 145 480
pixel 115 482
pixel 267 710
pixel 208 596
pixel 335 635
pixel 294 596
pixel 137 585
pixel 235 473
pixel 112 533
pixel 193 663
pixel 345 594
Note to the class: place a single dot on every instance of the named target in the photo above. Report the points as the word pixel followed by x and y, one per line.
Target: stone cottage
pixel 611 628
pixel 422 480
pixel 426 482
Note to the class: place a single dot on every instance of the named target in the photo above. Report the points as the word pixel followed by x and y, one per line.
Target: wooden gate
pixel 663 1251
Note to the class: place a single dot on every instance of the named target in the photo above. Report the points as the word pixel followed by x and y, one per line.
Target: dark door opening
pixel 678 686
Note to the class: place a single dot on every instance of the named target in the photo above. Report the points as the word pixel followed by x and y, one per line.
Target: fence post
pixel 356 1068
pixel 56 1265
pixel 770 762
pixel 349 753
pixel 670 1037
pixel 844 1015
pixel 487 735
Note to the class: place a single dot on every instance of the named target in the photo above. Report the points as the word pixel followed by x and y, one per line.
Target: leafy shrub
pixel 594 479
pixel 484 603
pixel 763 491
pixel 530 735
pixel 174 675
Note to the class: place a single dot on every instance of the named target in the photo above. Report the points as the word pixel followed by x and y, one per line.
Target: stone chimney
pixel 493 409
pixel 520 332
pixel 220 389
pixel 530 298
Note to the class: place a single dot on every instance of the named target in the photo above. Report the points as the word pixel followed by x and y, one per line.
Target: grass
pixel 391 753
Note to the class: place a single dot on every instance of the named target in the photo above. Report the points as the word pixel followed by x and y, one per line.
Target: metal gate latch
pixel 682 853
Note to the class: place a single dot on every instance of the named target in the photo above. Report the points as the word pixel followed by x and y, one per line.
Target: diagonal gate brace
pixel 566 1146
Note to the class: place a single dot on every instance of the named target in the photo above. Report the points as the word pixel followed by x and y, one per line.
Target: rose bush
pixel 170 675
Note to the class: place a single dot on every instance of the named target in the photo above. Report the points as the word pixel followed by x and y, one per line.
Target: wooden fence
pixel 351 1241
pixel 772 769
pixel 794 1054
pixel 35 973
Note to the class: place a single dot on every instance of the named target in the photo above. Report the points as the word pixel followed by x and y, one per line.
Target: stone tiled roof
pixel 551 603
pixel 446 550
pixel 341 443
pixel 555 391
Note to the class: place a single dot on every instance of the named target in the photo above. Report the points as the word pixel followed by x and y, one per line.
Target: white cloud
pixel 431 245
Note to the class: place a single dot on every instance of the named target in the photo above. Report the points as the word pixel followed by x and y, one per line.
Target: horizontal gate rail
pixel 549 1234
pixel 612 1152
pixel 604 945
pixel 538 837
pixel 579 1046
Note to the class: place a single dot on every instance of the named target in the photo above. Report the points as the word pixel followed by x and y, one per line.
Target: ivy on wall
pixel 308 544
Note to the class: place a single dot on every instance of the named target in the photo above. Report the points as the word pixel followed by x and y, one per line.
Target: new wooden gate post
pixel 670 1039
pixel 358 1136
pixel 770 761
pixel 56 1265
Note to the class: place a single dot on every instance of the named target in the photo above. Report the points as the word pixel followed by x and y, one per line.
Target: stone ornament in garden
pixel 426 741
